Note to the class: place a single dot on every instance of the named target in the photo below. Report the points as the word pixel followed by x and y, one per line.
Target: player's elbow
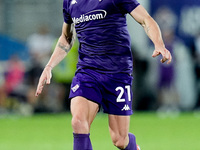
pixel 147 21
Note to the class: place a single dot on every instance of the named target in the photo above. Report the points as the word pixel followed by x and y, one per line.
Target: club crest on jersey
pixel 89 16
pixel 75 88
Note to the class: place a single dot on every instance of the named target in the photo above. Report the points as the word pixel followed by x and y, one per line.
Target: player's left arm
pixel 153 31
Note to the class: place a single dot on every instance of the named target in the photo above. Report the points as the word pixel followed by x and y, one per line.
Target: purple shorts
pixel 111 91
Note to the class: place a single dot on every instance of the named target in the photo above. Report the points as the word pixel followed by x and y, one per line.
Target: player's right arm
pixel 63 46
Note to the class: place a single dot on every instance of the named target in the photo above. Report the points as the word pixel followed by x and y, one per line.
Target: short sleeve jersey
pixel 102 33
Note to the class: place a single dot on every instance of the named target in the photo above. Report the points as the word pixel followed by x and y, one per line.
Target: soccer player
pixel 104 70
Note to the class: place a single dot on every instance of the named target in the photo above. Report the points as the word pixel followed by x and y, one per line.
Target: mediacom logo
pixel 92 15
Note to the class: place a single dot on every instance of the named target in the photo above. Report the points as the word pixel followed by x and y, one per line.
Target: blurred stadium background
pixel 166 98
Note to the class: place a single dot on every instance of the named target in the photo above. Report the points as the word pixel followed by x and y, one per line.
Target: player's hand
pixel 45 78
pixel 166 55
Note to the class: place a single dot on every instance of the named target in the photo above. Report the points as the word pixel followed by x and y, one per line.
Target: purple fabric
pixel 82 142
pixel 102 32
pixel 132 142
pixel 104 89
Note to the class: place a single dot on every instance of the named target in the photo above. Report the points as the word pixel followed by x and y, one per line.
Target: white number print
pixel 121 89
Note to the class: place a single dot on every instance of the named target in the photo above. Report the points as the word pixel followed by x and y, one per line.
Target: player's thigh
pixel 118 126
pixel 83 109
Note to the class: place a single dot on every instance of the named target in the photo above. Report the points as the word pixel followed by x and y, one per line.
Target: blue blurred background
pixel 29 30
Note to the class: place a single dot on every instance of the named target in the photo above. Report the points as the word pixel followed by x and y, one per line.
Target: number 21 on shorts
pixel 121 93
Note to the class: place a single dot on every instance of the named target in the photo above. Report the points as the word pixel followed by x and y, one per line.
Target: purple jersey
pixel 102 32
